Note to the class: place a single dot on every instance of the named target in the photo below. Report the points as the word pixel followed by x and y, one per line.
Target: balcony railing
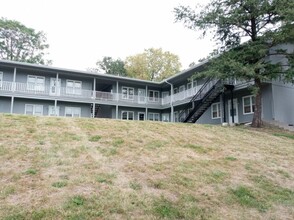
pixel 76 93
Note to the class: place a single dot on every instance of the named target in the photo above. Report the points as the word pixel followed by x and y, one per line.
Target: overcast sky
pixel 80 32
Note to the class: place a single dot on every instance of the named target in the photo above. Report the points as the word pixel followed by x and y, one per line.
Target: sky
pixel 80 32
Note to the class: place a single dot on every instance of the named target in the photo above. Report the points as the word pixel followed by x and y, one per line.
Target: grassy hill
pixel 64 168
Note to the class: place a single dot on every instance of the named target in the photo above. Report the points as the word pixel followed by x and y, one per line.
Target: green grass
pixel 287 135
pixel 76 168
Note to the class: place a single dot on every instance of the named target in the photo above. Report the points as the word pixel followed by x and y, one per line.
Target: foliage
pixel 112 66
pixel 20 43
pixel 153 64
pixel 261 24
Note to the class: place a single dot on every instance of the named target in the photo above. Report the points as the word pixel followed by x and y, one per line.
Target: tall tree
pixel 20 43
pixel 152 64
pixel 262 24
pixel 112 66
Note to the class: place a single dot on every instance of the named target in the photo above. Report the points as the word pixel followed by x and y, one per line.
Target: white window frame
pixel 128 95
pixel 34 107
pixel 250 105
pixel 72 109
pixel 128 115
pixel 73 90
pixel 153 98
pixel 1 79
pixel 218 110
pixel 51 110
pixel 152 116
pixel 165 115
pixel 35 86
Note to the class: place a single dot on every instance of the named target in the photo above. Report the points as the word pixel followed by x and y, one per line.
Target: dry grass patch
pixel 64 168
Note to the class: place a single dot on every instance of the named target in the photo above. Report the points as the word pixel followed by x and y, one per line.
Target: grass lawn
pixel 64 168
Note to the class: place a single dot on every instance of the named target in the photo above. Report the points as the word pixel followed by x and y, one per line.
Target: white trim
pixel 141 97
pixel 128 115
pixel 139 116
pixel 236 107
pixel 250 105
pixel 153 98
pixel 55 89
pixel 165 117
pixel 1 78
pixel 128 95
pixel 51 110
pixel 73 90
pixel 152 116
pixel 218 110
pixel 34 108
pixel 34 86
pixel 72 111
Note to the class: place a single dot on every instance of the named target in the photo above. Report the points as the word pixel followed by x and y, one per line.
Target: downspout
pixel 171 101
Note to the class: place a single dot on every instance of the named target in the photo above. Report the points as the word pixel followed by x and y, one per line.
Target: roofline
pixel 186 70
pixel 23 64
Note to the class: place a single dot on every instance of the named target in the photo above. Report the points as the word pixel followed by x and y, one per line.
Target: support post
pixel 11 105
pixel 94 88
pixel 232 106
pixel 55 107
pixel 224 109
pixel 94 109
pixel 116 112
pixel 117 95
pixel 14 80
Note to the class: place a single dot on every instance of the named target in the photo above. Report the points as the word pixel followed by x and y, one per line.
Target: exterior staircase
pixel 206 95
pixel 95 112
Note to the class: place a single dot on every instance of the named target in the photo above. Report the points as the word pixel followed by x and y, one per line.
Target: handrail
pixel 195 97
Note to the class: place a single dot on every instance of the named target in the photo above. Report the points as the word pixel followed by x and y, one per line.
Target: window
pixel 1 79
pixel 128 93
pixel 74 112
pixel 73 87
pixel 248 104
pixel 53 111
pixel 127 115
pixel 165 117
pixel 31 109
pixel 176 90
pixel 153 96
pixel 36 83
pixel 153 116
pixel 215 110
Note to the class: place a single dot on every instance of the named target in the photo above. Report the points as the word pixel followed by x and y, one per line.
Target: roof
pixel 65 70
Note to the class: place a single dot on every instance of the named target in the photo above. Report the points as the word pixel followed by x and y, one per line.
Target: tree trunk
pixel 257 122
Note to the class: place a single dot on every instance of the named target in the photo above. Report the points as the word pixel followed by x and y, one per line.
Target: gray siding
pixel 283 102
pixel 5 104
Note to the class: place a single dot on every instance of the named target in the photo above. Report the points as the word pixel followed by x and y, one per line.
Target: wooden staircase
pixel 206 95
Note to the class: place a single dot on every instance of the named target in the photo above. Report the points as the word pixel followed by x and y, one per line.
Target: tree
pixel 112 66
pixel 262 24
pixel 152 64
pixel 20 43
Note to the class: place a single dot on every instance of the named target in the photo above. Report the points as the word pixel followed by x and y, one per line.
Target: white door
pixel 54 86
pixel 141 96
pixel 235 110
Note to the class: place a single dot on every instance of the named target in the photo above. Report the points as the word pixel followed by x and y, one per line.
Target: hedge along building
pixel 42 90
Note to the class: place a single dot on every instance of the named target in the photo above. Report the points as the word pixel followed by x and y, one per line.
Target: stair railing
pixel 203 91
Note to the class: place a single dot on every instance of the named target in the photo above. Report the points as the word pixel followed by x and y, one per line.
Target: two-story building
pixel 44 90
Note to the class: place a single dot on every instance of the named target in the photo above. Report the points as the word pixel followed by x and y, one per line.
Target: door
pixel 235 111
pixel 141 96
pixel 141 116
pixel 54 86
